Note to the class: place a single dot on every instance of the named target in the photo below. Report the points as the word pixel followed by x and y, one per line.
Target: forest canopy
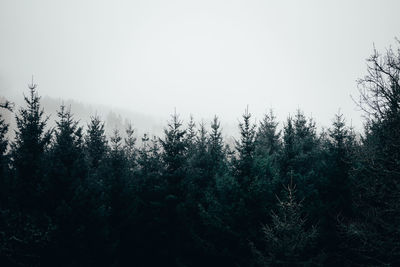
pixel 279 196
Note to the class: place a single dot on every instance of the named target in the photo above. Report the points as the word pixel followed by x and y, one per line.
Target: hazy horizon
pixel 202 58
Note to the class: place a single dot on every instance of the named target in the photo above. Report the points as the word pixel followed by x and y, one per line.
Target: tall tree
pixel 289 148
pixel 28 151
pixel 341 150
pixel 95 142
pixel 288 239
pixel 268 137
pixel 372 236
pixel 67 162
pixel 174 147
pixel 67 169
pixel 216 147
pixel 27 227
pixel 268 148
pixel 130 147
pixel 245 148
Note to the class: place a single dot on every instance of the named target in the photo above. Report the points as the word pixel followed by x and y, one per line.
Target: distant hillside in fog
pixel 114 117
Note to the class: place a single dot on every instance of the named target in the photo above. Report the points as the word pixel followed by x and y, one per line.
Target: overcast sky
pixel 202 57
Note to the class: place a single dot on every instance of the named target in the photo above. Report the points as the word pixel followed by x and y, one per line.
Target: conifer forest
pixel 285 193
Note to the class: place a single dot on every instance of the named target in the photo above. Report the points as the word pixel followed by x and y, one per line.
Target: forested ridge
pixel 289 197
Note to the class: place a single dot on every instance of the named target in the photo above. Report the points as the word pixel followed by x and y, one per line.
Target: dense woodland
pixel 289 197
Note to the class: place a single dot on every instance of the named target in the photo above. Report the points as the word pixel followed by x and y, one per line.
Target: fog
pixel 200 57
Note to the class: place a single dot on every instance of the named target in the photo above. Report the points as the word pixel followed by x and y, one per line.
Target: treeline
pixel 295 197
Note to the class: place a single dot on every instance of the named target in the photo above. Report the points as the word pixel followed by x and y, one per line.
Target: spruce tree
pixel 174 147
pixel 216 147
pixel 190 136
pixel 245 148
pixel 341 146
pixel 28 152
pixel 95 142
pixel 289 148
pixel 174 154
pixel 268 148
pixel 268 137
pixel 27 229
pixel 130 147
pixel 67 166
pixel 288 238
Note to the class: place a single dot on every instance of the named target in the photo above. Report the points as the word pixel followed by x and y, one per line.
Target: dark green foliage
pixel 288 239
pixel 28 153
pixel 130 147
pixel 268 137
pixel 245 148
pixel 4 161
pixel 372 234
pixel 95 142
pixel 73 198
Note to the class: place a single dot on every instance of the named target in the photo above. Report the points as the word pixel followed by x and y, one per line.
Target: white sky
pixel 202 57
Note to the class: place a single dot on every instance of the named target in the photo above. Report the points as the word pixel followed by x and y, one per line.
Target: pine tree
pixel 118 190
pixel 198 177
pixel 67 170
pixel 28 151
pixel 289 148
pixel 174 157
pixel 190 136
pixel 301 159
pixel 216 147
pixel 174 152
pixel 92 198
pixel 26 229
pixel 335 190
pixel 305 133
pixel 341 146
pixel 288 239
pixel 67 166
pixel 268 148
pixel 268 137
pixel 95 142
pixel 130 147
pixel 245 148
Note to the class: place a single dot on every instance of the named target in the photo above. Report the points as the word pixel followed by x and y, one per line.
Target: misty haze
pixel 199 133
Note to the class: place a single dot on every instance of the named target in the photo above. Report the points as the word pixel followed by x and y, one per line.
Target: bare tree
pixel 380 88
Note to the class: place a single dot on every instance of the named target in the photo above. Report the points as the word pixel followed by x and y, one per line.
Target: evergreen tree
pixel 130 147
pixel 27 228
pixel 198 177
pixel 288 239
pixel 67 166
pixel 216 147
pixel 245 148
pixel 28 152
pixel 268 148
pixel 174 154
pixel 190 136
pixel 341 146
pixel 289 148
pixel 174 147
pixel 67 171
pixel 95 142
pixel 268 137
